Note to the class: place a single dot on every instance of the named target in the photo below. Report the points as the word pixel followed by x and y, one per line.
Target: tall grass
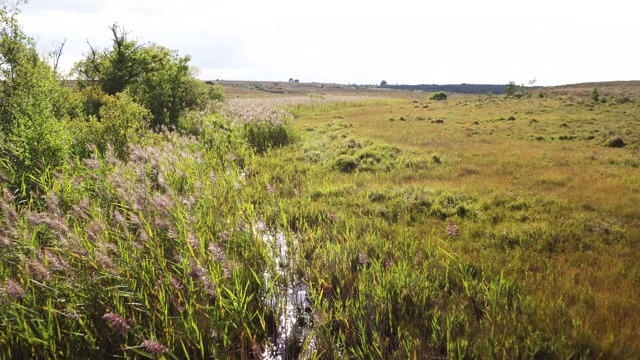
pixel 412 239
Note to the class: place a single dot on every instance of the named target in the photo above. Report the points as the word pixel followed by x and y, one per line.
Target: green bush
pixel 120 122
pixel 34 140
pixel 154 76
pixel 264 135
pixel 615 142
pixel 346 163
pixel 440 95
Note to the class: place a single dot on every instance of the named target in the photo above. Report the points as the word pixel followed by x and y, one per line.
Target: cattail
pixel 452 230
pixel 154 348
pixel 14 289
pixel 117 322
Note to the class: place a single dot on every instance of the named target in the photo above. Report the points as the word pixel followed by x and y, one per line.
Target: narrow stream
pixel 289 298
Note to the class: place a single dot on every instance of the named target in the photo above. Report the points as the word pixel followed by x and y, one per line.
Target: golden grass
pixel 549 148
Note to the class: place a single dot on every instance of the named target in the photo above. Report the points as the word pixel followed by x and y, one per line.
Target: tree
pixel 32 99
pixel 383 83
pixel 510 90
pixel 595 95
pixel 156 77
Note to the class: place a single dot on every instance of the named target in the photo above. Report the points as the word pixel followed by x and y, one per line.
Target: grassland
pixel 475 227
pixel 421 212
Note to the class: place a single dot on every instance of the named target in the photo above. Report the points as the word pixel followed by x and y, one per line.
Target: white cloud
pixel 364 42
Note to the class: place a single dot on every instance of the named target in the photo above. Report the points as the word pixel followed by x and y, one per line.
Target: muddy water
pixel 289 298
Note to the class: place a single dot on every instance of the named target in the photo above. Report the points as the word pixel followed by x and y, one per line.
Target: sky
pixel 363 42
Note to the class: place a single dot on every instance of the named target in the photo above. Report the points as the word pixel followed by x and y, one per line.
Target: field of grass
pixel 478 226
pixel 474 227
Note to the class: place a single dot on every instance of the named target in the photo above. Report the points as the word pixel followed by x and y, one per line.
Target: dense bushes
pixel 33 110
pixel 155 77
pixel 440 95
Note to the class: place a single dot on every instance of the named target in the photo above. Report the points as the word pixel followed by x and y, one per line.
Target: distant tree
pixel 290 79
pixel 440 95
pixel 595 95
pixel 510 90
pixel 296 80
pixel 383 83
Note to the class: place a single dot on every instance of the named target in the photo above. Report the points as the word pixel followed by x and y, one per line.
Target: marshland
pixel 159 216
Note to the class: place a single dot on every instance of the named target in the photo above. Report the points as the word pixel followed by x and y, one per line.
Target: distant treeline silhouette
pixel 455 88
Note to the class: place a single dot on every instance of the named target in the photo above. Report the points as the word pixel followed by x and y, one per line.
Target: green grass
pixel 541 262
pixel 506 230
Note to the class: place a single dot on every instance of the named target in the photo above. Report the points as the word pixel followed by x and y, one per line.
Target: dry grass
pixel 547 153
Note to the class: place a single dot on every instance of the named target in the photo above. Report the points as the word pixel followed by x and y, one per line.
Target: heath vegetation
pixel 139 209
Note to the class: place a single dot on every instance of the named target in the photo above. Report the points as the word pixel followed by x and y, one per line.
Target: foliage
pixel 439 95
pixel 265 135
pixel 383 83
pixel 31 107
pixel 511 88
pixel 156 77
pixel 615 142
pixel 595 95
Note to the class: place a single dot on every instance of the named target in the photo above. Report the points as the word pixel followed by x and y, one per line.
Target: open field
pixel 333 223
pixel 532 191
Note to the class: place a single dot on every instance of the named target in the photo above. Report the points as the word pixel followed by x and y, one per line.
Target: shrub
pixel 154 76
pixel 264 135
pixel 33 139
pixel 123 122
pixel 345 163
pixel 595 95
pixel 440 95
pixel 614 142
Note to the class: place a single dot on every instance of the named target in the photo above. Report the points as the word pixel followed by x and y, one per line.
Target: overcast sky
pixel 364 42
